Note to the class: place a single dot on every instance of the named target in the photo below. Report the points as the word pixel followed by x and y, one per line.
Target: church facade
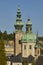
pixel 26 44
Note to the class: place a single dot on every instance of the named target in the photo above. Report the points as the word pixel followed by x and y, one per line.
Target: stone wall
pixel 9 47
pixel 17 44
pixel 26 52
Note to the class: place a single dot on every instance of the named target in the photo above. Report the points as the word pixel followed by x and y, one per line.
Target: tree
pixel 0 34
pixel 10 36
pixel 33 63
pixel 2 53
pixel 5 35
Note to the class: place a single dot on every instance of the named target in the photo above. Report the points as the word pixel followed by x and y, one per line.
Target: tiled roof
pixel 21 59
pixel 39 61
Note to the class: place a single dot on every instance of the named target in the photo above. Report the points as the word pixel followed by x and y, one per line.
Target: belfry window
pixel 30 47
pixel 19 41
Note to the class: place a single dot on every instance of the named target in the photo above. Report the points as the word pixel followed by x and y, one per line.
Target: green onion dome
pixel 18 18
pixel 29 22
pixel 19 23
pixel 28 37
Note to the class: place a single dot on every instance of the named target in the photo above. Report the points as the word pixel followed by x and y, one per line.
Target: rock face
pixel 39 61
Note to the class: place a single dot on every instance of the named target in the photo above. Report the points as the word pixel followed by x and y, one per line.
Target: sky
pixel 29 8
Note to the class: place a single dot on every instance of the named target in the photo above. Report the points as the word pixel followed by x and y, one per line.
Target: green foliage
pixel 33 63
pixel 25 63
pixel 2 53
pixel 10 36
pixel 0 34
pixel 40 38
pixel 6 36
pixel 42 51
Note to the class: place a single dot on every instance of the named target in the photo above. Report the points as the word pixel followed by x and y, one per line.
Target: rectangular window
pixel 19 41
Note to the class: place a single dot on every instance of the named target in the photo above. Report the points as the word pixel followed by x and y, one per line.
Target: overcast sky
pixel 29 8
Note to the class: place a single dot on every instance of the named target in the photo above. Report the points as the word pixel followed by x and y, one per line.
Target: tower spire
pixel 18 16
pixel 29 26
pixel 37 38
pixel 19 24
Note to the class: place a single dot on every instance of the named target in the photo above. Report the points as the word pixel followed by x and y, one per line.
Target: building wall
pixel 29 63
pixel 17 45
pixel 17 64
pixel 37 53
pixel 9 48
pixel 9 51
pixel 26 52
pixel 8 63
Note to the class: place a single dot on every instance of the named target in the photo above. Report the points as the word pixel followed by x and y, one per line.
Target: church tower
pixel 18 32
pixel 29 26
pixel 28 41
